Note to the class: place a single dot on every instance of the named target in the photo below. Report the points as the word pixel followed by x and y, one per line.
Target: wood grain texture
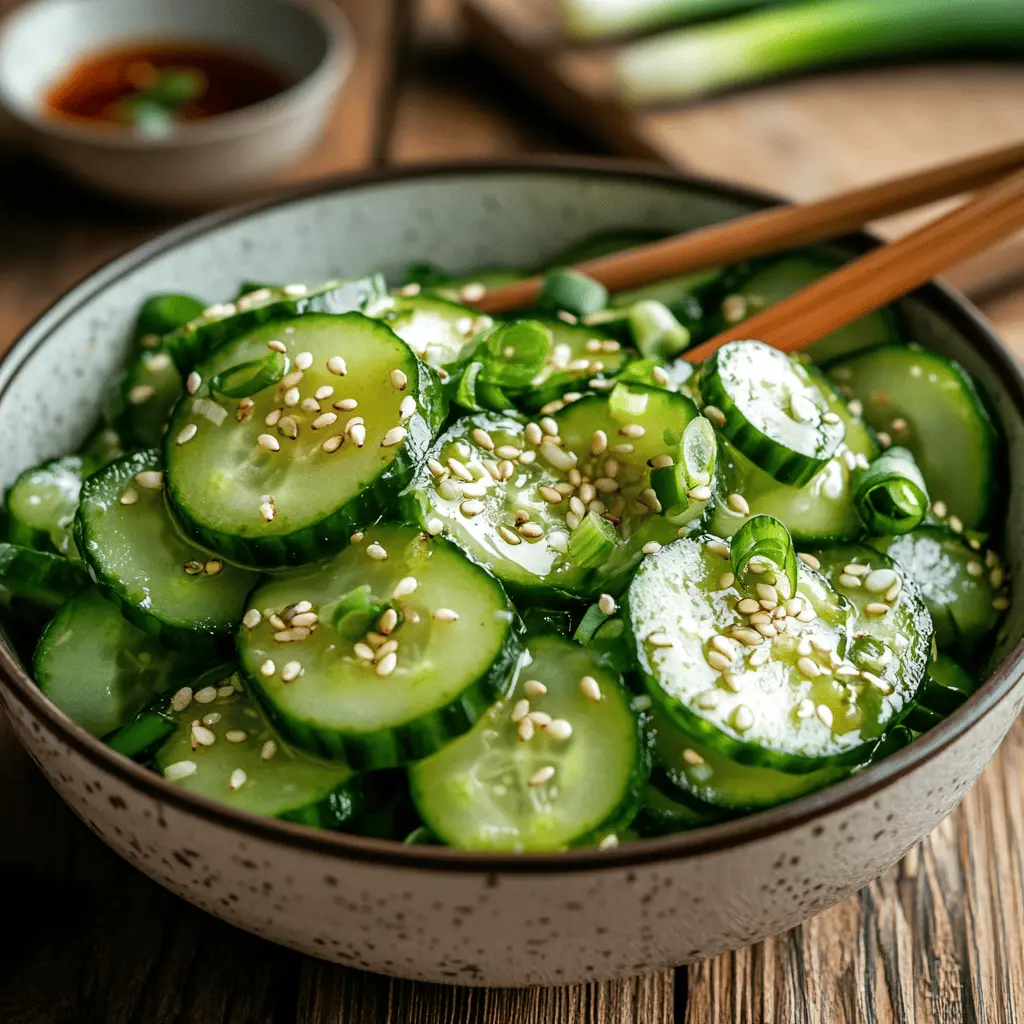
pixel 937 939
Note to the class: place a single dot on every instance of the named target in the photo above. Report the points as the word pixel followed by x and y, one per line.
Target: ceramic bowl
pixel 200 163
pixel 429 912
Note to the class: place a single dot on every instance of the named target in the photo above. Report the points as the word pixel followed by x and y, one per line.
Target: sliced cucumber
pixel 770 283
pixel 819 511
pixel 99 669
pixel 771 700
pixel 771 410
pixel 145 396
pixel 704 774
pixel 42 504
pixel 139 737
pixel 435 329
pixel 225 748
pixel 198 338
pixel 39 577
pixel 161 314
pixel 166 585
pixel 460 287
pixel 961 592
pixel 438 678
pixel 892 630
pixel 929 405
pixel 946 685
pixel 667 809
pixel 282 477
pixel 576 770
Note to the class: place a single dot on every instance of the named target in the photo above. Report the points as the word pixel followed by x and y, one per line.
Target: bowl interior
pixel 53 382
pixel 43 39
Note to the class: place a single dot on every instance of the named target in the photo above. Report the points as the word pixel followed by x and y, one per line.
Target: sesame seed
pixel 549 494
pixel 661 461
pixel 534 688
pixel 876 608
pixel 324 420
pixel 738 504
pixel 808 668
pixel 252 618
pixel 589 688
pixel 472 507
pixel 291 397
pixel 434 527
pixel 660 640
pixel 748 637
pixel 805 708
pixel 388 621
pixel 824 713
pixel 880 580
pixel 526 729
pixel 268 750
pixel 606 603
pixel 996 578
pixel 129 497
pixel 508 535
pixel 955 523
pixel 877 682
pixel 830 417
pixel 202 736
pixel 542 775
pixel 716 547
pixel 206 695
pixel 975 568
pixel 748 606
pixel 718 661
pixel 363 651
pixel 445 615
pixel 267 669
pixel 598 442
pixel 332 444
pixel 808 560
pixel 460 470
pixel 1000 604
pixel 404 587
pixel 376 552
pixel 180 770
pixel 520 710
pixel 267 510
pixel 150 479
pixel 766 592
pixel 807 615
pixel 713 413
pixel 238 779
pixel 651 547
pixel 758 657
pixel 268 443
pixel 140 394
pixel 182 698
pixel 622 449
pixel 691 757
pixel 292 635
pixel 549 426
pixel 742 717
pixel 336 364
pixel 699 493
pixel 939 509
pixel 846 580
pixel 236 735
pixel 406 408
pixel 387 665
pixel 558 729
pixel 305 619
pixel 399 380
pixel 291 671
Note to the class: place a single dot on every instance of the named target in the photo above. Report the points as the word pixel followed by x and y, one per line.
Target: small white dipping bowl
pixel 200 163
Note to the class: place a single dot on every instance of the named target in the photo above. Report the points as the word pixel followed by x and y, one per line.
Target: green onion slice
pixel 764 537
pixel 592 541
pixel 591 622
pixel 141 734
pixel 513 354
pixel 353 613
pixel 700 452
pixel 890 495
pixel 247 379
pixel 569 291
pixel 656 332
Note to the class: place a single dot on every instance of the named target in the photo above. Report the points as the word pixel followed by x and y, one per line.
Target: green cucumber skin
pixel 43 579
pixel 25 534
pixel 191 342
pixel 331 534
pixel 406 743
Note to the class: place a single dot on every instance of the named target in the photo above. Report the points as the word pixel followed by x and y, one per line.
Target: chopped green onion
pixel 513 354
pixel 353 613
pixel 592 542
pixel 765 538
pixel 700 452
pixel 602 19
pixel 593 619
pixel 669 484
pixel 690 62
pixel 176 86
pixel 656 331
pixel 140 735
pixel 890 495
pixel 247 379
pixel 148 117
pixel 161 314
pixel 475 395
pixel 569 291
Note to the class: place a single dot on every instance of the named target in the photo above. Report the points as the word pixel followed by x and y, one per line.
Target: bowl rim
pixel 17 684
pixel 332 71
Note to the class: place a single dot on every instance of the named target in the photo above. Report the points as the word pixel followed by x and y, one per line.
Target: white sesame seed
pixel 747 606
pixel 206 695
pixel 808 668
pixel 939 509
pixel 738 504
pixel 520 710
pixel 445 615
pixel 589 688
pixel 304 360
pixel 766 592
pixel 526 729
pixel 376 552
pixel 606 603
pixel 509 535
pixel 808 560
pixel 531 530
pixel 129 497
pixel 182 698
pixel 660 640
pixel 880 580
pixel 713 413
pixel 252 618
pixel 267 510
pixel 387 665
pixel 716 547
pixel 324 420
pixel 399 380
pixel 955 523
pixel 542 775
pixel 332 444
pixel 267 669
pixel 140 394
pixel 388 621
pixel 1000 604
pixel 291 397
pixel 150 479
pixel 202 736
pixel 758 657
pixel 236 735
pixel 472 507
pixel 404 587
pixel 291 671
pixel 180 770
pixel 268 443
pixel 708 699
pixel 749 637
pixel 805 708
pixel 699 493
pixel 691 757
pixel 876 608
pixel 292 635
pixel 558 729
pixel 268 750
pixel 336 364
pixel 651 547
pixel 846 580
pixel 807 615
pixel 824 713
pixel 534 688
pixel 742 717
pixel 434 527
pixel 718 661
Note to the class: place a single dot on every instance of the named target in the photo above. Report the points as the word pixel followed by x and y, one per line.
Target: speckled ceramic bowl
pixel 429 912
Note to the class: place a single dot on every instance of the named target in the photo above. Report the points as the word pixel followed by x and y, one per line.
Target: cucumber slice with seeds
pixel 820 510
pixel 754 691
pixel 42 504
pixel 217 324
pixel 963 589
pixel 225 748
pixel 573 772
pixel 667 809
pixel 39 577
pixel 165 585
pixel 99 669
pixel 771 410
pixel 284 477
pixel 447 633
pixel 930 406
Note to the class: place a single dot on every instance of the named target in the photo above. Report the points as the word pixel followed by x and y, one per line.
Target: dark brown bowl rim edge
pixel 940 298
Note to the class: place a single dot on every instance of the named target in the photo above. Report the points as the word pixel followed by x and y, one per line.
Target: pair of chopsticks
pixel 848 293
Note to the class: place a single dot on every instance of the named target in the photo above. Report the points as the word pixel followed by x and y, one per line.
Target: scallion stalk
pixel 247 379
pixel 765 538
pixel 602 19
pixel 592 542
pixel 690 62
pixel 569 291
pixel 656 332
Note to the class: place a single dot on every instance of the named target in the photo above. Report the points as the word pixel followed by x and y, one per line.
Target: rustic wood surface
pixel 939 938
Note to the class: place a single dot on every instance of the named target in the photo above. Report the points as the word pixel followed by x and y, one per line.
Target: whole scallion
pixel 689 62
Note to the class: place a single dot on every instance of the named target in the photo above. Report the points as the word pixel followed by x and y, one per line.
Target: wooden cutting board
pixel 801 138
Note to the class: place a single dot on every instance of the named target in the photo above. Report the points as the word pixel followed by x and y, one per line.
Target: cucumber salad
pixel 358 556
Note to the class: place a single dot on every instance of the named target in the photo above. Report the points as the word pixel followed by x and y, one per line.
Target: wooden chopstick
pixel 772 230
pixel 882 275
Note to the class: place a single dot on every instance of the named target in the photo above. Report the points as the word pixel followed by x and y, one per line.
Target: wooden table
pixel 939 938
